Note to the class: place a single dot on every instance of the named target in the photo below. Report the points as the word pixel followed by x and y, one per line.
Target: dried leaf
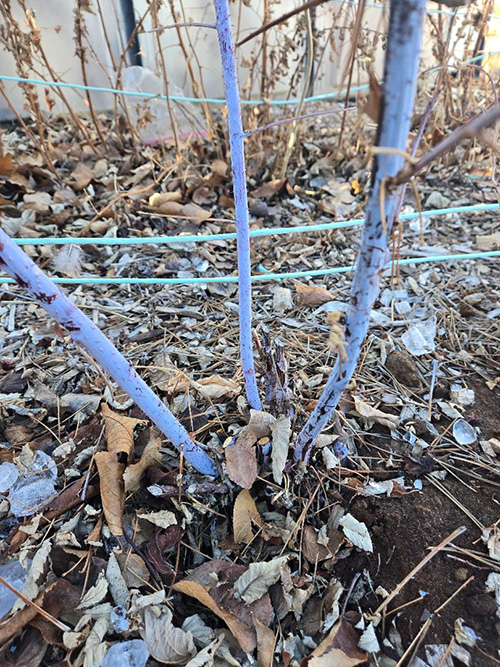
pixel 38 201
pixel 111 466
pixel 195 212
pixel 281 432
pixel 369 412
pixel 260 423
pixel 162 518
pixel 150 457
pixel 81 175
pixel 372 104
pixel 245 513
pixel 368 641
pixel 270 189
pixel 216 386
pixel 266 641
pixel 255 582
pixel 166 643
pixel 160 198
pixel 241 459
pixel 339 648
pixel 212 584
pixel 6 165
pixel 133 568
pixel 219 167
pixel 95 594
pixel 488 241
pixel 119 430
pixel 356 532
pixel 312 295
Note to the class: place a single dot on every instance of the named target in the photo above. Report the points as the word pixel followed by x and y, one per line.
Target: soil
pixel 404 529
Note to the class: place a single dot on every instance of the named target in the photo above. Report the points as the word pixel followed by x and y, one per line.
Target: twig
pixel 417 568
pixel 31 603
pixel 467 131
pixel 280 19
pixel 181 25
pixel 294 119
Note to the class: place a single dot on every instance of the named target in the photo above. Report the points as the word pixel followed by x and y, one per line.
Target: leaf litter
pixel 139 556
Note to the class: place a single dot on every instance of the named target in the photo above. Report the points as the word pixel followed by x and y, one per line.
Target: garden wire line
pixel 263 276
pixel 268 231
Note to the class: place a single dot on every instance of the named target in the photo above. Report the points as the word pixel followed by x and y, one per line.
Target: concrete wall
pixel 55 17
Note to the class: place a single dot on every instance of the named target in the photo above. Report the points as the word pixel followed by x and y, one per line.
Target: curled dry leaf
pixel 270 189
pixel 260 423
pixel 159 198
pixel 245 513
pixel 281 432
pixel 241 459
pixel 255 582
pixel 216 386
pixel 339 648
pixel 356 532
pixel 312 295
pixel 219 167
pixel 111 465
pixel 166 643
pixel 212 584
pixel 151 456
pixel 369 412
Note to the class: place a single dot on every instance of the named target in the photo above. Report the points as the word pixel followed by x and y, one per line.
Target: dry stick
pixel 467 131
pixel 281 19
pixel 354 46
pixel 190 24
pixel 401 72
pixel 40 610
pixel 294 119
pixel 173 122
pixel 187 59
pixel 309 56
pixel 80 30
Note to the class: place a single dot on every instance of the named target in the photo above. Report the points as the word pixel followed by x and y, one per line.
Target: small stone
pixel 437 200
pixel 461 574
pixel 259 209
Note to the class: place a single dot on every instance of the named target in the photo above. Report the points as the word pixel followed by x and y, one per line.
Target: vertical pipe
pixel 33 280
pixel 400 80
pixel 236 143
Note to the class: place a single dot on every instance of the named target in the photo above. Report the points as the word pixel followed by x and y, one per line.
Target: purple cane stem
pixel 236 143
pixel 401 69
pixel 33 280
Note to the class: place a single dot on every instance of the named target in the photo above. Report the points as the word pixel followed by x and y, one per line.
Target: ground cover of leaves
pixel 124 554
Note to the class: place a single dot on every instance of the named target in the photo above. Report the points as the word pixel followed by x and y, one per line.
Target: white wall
pixel 55 17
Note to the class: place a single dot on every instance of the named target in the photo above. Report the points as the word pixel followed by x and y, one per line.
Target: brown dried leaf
pixel 150 457
pixel 219 167
pixel 81 175
pixel 160 198
pixel 339 648
pixel 312 295
pixel 270 189
pixel 266 641
pixel 488 241
pixel 260 423
pixel 216 386
pixel 133 569
pixel 111 466
pixel 245 513
pixel 372 104
pixel 171 208
pixel 241 459
pixel 212 584
pixel 6 165
pixel 369 412
pixel 119 430
pixel 195 212
pixel 256 580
